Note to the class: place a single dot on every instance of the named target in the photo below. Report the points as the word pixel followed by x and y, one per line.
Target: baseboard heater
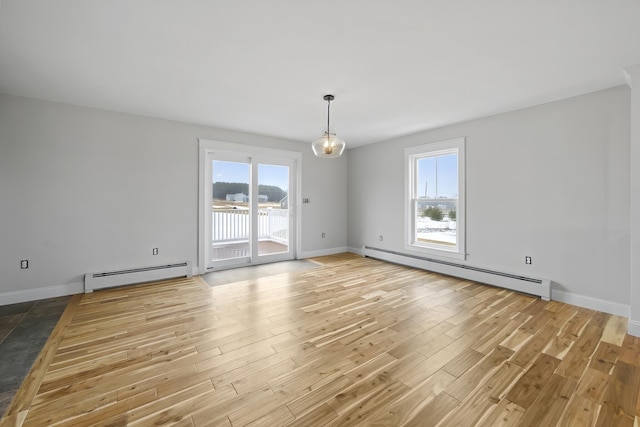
pixel 528 285
pixel 109 279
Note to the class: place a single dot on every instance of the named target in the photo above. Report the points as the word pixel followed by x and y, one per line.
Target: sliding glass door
pixel 248 215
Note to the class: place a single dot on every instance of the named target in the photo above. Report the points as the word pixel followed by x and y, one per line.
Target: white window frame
pixel 412 155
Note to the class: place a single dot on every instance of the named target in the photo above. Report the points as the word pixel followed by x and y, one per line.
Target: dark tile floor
pixel 246 273
pixel 24 329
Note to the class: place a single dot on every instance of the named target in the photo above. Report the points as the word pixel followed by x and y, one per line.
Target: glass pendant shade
pixel 329 146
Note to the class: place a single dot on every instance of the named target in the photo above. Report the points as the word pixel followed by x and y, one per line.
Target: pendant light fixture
pixel 328 146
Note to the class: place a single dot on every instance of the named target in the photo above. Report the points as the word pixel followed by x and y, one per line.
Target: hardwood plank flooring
pixel 354 341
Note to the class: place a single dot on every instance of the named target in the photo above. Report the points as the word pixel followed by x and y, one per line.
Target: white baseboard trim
pixel 634 328
pixel 15 297
pixel 357 251
pixel 591 303
pixel 323 252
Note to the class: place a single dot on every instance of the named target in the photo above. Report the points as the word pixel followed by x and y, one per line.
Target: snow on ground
pixel 441 231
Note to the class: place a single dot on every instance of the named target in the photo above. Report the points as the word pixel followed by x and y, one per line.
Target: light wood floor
pixel 352 342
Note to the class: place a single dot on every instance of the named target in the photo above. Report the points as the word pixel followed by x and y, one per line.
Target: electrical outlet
pixel 306 200
pixel 527 260
pixel 155 251
pixel 323 235
pixel 24 264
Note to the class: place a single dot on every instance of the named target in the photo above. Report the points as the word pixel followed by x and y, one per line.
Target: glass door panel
pixel 273 209
pixel 230 212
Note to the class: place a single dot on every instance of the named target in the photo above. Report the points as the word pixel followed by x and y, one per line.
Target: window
pixel 435 198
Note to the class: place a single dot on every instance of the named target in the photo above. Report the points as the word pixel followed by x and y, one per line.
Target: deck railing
pixel 231 225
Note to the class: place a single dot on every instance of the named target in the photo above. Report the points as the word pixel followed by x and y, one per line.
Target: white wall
pixel 634 80
pixel 551 181
pixel 84 190
pixel 88 190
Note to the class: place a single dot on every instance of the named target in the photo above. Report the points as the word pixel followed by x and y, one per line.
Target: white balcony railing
pixel 231 225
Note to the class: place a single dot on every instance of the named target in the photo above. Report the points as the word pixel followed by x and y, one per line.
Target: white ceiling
pixel 263 66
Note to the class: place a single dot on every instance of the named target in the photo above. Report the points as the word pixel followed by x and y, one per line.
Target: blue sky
pixel 447 182
pixel 239 172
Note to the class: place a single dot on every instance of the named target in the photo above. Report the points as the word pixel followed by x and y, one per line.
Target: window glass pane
pixel 436 198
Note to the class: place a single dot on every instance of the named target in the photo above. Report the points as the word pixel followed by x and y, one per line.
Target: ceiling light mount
pixel 328 146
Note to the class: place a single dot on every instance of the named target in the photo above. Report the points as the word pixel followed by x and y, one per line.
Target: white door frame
pixel 204 199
